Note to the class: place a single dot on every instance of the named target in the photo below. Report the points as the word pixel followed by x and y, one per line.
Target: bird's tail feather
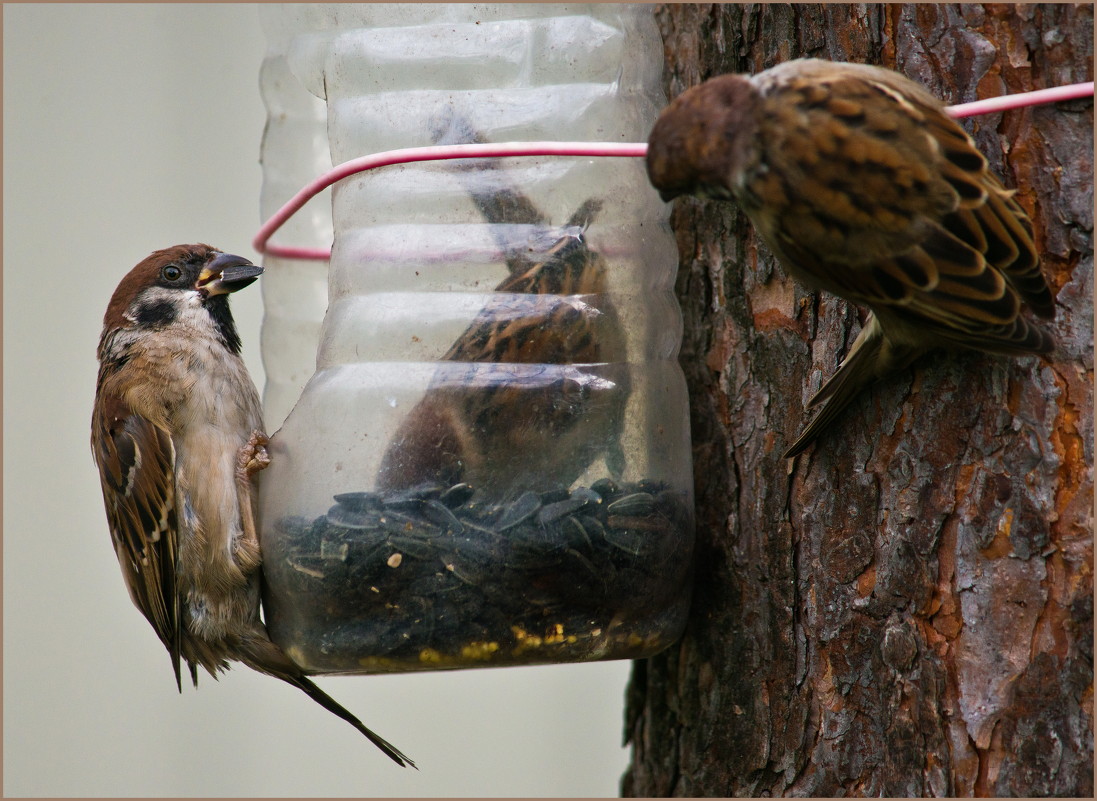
pixel 333 706
pixel 871 357
pixel 260 653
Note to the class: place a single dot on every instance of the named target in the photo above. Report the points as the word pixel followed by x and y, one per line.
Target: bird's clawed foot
pixel 253 456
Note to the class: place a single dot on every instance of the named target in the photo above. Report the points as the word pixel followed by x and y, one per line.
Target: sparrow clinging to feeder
pixel 862 185
pixel 177 436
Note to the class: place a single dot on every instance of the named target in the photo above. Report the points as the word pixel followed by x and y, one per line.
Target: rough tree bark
pixel 907 609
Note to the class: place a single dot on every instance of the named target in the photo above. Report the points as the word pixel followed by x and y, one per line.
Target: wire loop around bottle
pixel 409 155
pixel 413 154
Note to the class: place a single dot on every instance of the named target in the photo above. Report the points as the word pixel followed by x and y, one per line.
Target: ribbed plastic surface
pixel 490 464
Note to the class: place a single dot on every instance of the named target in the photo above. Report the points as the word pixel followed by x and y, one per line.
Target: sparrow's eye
pixel 171 273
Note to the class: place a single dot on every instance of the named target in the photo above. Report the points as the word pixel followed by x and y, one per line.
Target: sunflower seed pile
pixel 441 577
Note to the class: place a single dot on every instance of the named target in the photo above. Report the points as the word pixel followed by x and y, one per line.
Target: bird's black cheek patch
pixel 155 313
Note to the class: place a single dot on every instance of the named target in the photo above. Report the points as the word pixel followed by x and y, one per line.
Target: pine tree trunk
pixel 907 609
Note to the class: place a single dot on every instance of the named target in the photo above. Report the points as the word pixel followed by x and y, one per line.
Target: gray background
pixel 128 128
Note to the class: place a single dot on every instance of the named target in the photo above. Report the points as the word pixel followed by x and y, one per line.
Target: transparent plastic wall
pixel 490 464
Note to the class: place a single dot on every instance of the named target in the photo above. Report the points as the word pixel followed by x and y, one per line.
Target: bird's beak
pixel 227 273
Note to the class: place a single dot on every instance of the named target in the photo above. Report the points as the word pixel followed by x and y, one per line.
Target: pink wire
pixel 413 154
pixel 1021 99
pixel 633 149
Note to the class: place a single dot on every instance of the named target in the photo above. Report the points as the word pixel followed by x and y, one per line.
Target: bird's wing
pixel 532 320
pixel 890 203
pixel 987 218
pixel 943 288
pixel 136 467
